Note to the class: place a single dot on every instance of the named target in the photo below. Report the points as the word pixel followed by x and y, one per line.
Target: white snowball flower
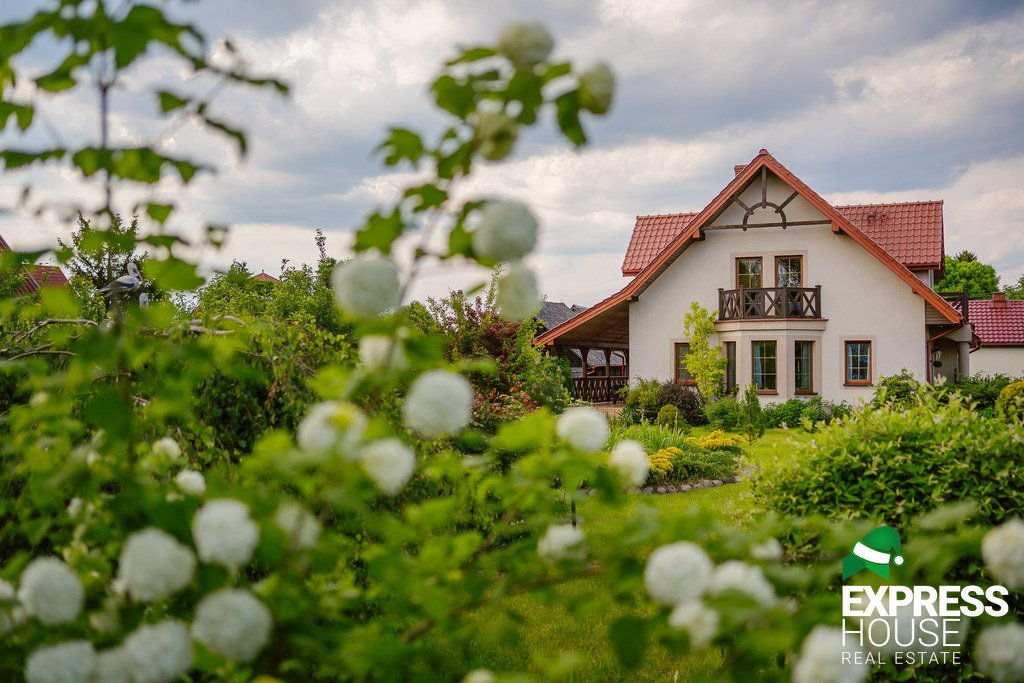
pixel 999 652
pixel 597 88
pixel 112 666
pixel 507 231
pixel 224 534
pixel 584 428
pixel 232 623
pixel 332 427
pixel 698 620
pixel 374 350
pixel 629 459
pixel 496 133
pixel 438 404
pixel 479 676
pixel 389 463
pixel 73 661
pixel 367 286
pixel 1002 548
pixel 821 659
pixel 167 447
pixel 301 527
pixel 191 482
pixel 50 591
pixel 154 565
pixel 517 297
pixel 525 44
pixel 159 653
pixel 743 578
pixel 767 551
pixel 562 542
pixel 677 572
pixel 75 507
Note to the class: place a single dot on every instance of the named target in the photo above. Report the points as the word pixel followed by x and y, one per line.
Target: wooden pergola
pixel 604 330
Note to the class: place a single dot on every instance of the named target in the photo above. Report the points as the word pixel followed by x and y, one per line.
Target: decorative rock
pixel 716 482
pixel 648 489
pixel 684 488
pixel 698 486
pixel 671 489
pixel 661 489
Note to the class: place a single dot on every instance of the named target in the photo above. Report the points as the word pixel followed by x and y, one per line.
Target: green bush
pixel 1010 404
pixel 897 390
pixel 752 420
pixel 549 382
pixel 690 464
pixel 982 390
pixel 891 464
pixel 723 413
pixel 644 395
pixel 668 416
pixel 787 414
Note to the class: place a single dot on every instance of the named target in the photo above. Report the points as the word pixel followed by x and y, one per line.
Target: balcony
pixel 769 302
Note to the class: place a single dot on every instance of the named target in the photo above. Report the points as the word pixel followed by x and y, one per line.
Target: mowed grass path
pixel 552 634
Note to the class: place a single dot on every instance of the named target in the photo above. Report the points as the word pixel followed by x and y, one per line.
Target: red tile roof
pixel 998 323
pixel 263 277
pixel 911 232
pixel 48 276
pixel 28 284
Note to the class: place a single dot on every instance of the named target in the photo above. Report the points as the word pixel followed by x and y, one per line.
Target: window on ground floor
pixel 763 361
pixel 804 367
pixel 730 367
pixel 683 375
pixel 858 362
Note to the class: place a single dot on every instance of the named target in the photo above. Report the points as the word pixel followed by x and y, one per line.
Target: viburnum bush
pixel 329 552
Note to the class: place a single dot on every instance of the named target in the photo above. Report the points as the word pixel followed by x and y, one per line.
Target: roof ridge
pixel 915 202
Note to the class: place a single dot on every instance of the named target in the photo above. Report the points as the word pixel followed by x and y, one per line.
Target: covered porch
pixel 598 340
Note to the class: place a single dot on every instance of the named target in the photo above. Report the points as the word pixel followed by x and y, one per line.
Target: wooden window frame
pixel 766 392
pixel 692 382
pixel 846 363
pixel 736 268
pixel 799 257
pixel 796 390
pixel 734 365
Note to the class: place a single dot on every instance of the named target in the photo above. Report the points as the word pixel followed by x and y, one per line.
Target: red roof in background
pixel 911 232
pixel 263 277
pixel 28 285
pixel 650 236
pixel 48 276
pixel 997 323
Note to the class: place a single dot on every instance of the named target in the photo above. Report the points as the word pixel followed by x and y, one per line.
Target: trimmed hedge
pixel 894 463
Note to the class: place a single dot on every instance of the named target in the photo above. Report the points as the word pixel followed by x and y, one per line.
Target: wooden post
pixel 584 352
pixel 607 362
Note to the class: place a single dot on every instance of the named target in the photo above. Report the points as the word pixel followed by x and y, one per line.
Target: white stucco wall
pixel 1008 360
pixel 861 299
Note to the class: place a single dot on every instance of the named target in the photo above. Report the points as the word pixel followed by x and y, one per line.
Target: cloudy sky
pixel 866 101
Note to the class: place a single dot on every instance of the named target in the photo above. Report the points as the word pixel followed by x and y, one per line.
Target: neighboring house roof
pixel 48 276
pixel 997 323
pixel 910 231
pixel 29 284
pixel 617 304
pixel 263 277
pixel 554 313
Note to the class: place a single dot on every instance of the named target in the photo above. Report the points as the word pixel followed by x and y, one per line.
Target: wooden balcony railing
pixel 769 302
pixel 598 389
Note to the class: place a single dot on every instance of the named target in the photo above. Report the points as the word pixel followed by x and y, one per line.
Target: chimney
pixel 998 299
pixel 738 168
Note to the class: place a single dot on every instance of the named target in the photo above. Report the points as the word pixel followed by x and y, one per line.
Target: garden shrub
pixel 898 390
pixel 690 464
pixel 668 416
pixel 1010 405
pixel 723 413
pixel 644 395
pixel 891 464
pixel 689 402
pixel 549 383
pixel 653 437
pixel 752 420
pixel 717 439
pixel 788 414
pixel 661 466
pixel 982 390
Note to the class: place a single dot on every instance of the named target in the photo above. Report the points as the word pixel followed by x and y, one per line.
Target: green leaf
pixel 629 640
pixel 429 196
pixel 170 102
pixel 379 232
pixel 173 274
pixel 453 96
pixel 159 212
pixel 567 109
pixel 234 133
pixel 167 241
pixel 403 144
pixel 458 161
pixel 17 159
pixel 473 54
pixel 525 88
pixel 22 113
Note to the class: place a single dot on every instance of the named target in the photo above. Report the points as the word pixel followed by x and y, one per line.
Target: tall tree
pixel 704 361
pixel 1015 291
pixel 965 270
pixel 102 255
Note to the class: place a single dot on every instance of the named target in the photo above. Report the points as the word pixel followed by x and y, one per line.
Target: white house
pixel 999 324
pixel 812 299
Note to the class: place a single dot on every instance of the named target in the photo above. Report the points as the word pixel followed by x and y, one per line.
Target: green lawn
pixel 551 634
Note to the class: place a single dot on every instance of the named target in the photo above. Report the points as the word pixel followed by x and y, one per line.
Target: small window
pixel 683 376
pixel 730 367
pixel 858 362
pixel 763 362
pixel 748 272
pixel 804 364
